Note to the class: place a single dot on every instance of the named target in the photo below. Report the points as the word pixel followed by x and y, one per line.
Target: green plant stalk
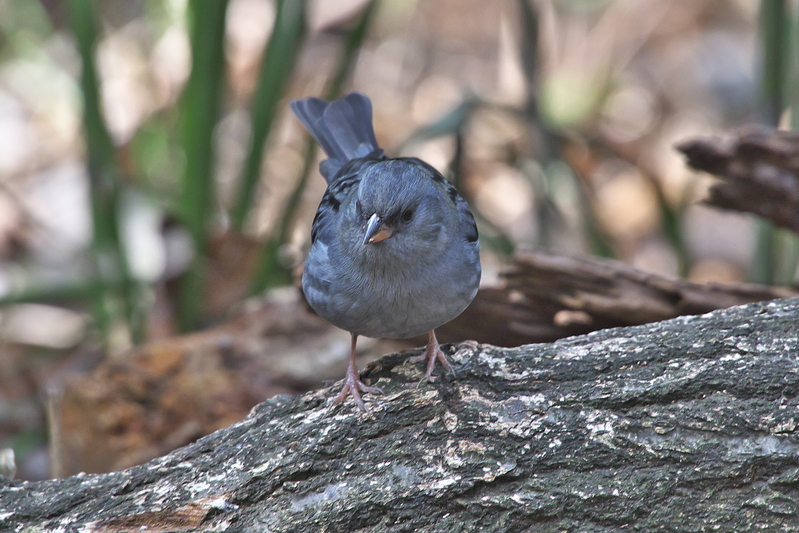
pixel 199 114
pixel 276 70
pixel 793 71
pixel 789 241
pixel 529 22
pixel 774 30
pixel 351 46
pixel 786 267
pixel 108 252
pixel 764 261
pixel 529 28
pixel 270 272
pixel 787 245
pixel 775 35
pixel 79 290
pixel 549 141
pixel 671 222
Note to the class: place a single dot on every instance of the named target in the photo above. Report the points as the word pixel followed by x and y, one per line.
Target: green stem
pixel 108 252
pixel 774 27
pixel 199 115
pixel 775 31
pixel 762 269
pixel 276 69
pixel 351 46
pixel 270 272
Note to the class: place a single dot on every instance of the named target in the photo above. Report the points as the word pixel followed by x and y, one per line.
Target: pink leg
pixel 432 353
pixel 353 384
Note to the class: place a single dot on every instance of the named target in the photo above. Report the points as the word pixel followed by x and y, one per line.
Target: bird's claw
pixel 431 354
pixel 353 387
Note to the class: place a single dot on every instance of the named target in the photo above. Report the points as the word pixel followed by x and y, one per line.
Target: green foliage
pixel 189 173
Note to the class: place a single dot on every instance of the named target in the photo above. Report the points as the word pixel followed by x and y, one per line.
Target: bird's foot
pixel 353 386
pixel 431 354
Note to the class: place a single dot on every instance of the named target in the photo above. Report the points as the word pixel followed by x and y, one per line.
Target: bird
pixel 394 247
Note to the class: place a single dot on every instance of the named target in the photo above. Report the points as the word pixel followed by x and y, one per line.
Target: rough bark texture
pixel 684 425
pixel 759 172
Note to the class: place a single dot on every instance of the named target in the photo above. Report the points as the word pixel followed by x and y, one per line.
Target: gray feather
pixel 343 128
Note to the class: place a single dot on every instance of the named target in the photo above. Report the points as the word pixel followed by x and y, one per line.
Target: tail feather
pixel 343 128
pixel 310 112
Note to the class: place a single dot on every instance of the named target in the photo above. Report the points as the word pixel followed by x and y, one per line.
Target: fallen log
pixel 688 424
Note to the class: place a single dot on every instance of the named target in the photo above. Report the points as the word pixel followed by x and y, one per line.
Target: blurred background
pixel 153 182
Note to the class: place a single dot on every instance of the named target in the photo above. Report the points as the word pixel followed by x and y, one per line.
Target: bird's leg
pixel 353 384
pixel 432 353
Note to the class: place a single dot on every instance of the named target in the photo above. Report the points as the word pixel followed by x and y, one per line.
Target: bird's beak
pixel 376 230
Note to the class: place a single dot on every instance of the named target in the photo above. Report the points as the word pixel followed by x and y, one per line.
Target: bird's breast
pixel 389 298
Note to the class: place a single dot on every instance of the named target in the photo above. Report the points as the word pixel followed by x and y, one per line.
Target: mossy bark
pixel 684 425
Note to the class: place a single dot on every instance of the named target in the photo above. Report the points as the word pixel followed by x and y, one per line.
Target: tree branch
pixel 684 425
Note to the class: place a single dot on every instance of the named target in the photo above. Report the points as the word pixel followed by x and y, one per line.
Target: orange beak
pixel 376 230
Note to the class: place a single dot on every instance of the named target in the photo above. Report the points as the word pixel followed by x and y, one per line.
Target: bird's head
pixel 400 208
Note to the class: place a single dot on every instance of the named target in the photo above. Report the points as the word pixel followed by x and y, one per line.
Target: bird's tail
pixel 343 128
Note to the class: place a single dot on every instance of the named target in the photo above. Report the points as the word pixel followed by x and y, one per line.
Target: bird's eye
pixel 407 215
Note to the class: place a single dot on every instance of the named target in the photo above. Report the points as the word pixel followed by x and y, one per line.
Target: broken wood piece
pixel 759 173
pixel 548 295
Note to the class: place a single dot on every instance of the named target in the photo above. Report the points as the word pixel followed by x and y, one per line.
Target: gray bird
pixel 394 250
